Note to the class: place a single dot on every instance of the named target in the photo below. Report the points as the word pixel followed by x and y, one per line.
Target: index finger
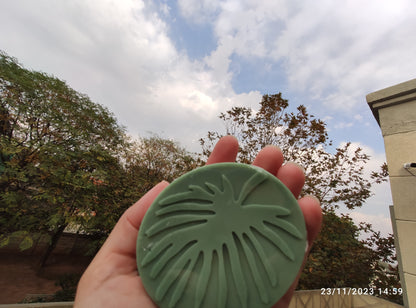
pixel 225 150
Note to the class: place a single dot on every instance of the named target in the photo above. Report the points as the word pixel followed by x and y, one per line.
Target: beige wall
pixel 395 110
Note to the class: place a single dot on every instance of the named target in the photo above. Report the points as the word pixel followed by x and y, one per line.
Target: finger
pixel 270 158
pixel 312 213
pixel 225 150
pixel 293 176
pixel 124 235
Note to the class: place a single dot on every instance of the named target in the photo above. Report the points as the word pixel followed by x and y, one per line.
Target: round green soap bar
pixel 223 235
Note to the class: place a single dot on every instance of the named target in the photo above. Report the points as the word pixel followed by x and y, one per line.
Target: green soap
pixel 223 235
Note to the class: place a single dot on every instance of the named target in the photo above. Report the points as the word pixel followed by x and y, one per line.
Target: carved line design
pixel 186 214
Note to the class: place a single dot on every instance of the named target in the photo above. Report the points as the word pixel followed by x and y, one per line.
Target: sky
pixel 171 67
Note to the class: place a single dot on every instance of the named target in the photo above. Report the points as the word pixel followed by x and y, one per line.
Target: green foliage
pixel 146 162
pixel 65 160
pixel 55 146
pixel 337 258
pixel 24 239
pixel 26 243
pixel 385 266
pixel 68 284
pixel 155 159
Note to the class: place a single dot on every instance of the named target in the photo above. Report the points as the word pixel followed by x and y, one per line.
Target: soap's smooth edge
pixel 216 165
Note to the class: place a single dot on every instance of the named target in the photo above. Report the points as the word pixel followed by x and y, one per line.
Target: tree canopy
pixel 65 160
pixel 56 145
pixel 334 178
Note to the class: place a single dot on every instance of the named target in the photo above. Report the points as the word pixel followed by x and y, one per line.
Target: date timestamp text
pixel 361 291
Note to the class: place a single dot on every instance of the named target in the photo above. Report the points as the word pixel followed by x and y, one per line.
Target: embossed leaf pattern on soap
pixel 192 217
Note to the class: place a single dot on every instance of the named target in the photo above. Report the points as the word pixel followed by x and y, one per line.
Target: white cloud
pixel 338 52
pixel 121 55
pixel 200 11
pixel 343 125
pixel 358 117
pixel 379 222
pixel 334 52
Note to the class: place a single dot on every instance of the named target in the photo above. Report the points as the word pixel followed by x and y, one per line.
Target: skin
pixel 111 280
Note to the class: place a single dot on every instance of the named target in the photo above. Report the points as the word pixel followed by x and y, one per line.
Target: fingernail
pixel 272 146
pixel 160 184
pixel 296 164
pixel 163 183
pixel 313 197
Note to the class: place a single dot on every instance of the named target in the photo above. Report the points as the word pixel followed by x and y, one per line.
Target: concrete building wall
pixel 395 110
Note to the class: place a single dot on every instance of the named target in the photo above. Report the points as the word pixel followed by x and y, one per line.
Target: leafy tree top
pixel 55 144
pixel 36 108
pixel 336 178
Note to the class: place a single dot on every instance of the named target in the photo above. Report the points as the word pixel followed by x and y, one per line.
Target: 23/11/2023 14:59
pixel 361 291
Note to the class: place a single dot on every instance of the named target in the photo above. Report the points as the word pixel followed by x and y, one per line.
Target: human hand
pixel 111 280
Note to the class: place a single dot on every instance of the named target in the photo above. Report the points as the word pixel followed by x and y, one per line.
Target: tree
pixel 56 145
pixel 146 162
pixel 335 177
pixel 337 258
pixel 154 159
pixel 385 267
